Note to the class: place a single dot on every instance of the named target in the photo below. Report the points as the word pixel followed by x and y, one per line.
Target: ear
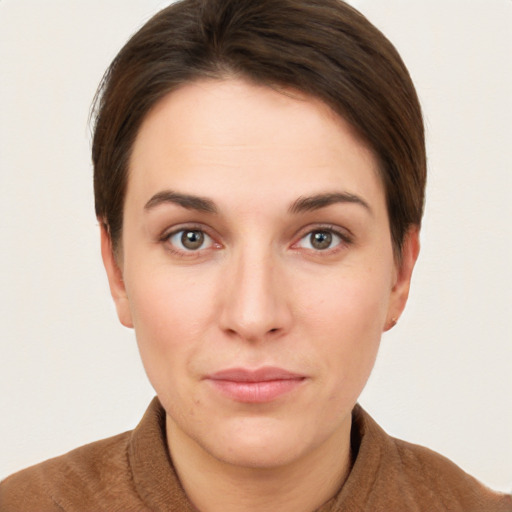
pixel 404 268
pixel 115 278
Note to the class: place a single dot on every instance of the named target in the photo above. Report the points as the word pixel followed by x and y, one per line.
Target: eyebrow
pixel 187 201
pixel 318 201
pixel 301 205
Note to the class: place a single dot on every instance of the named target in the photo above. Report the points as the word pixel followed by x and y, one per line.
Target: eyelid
pixel 344 234
pixel 174 230
pixel 207 240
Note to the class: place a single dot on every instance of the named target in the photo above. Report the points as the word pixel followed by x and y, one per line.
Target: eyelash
pixel 191 253
pixel 344 240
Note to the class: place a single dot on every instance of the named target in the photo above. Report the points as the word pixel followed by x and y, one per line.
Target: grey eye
pixel 190 240
pixel 320 240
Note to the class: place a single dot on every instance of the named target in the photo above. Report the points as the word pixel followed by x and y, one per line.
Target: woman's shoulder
pixel 98 471
pixel 395 473
pixel 433 475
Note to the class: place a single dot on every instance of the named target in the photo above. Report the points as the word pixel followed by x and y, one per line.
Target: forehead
pixel 243 136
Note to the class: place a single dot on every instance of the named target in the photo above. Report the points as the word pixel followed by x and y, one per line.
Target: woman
pixel 259 182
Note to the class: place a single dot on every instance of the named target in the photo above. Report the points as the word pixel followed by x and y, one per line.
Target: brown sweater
pixel 133 472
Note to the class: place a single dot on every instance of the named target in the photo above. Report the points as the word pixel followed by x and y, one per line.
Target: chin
pixel 261 455
pixel 257 443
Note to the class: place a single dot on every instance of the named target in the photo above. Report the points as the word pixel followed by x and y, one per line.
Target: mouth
pixel 255 386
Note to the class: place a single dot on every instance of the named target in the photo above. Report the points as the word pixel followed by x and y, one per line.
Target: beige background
pixel 69 374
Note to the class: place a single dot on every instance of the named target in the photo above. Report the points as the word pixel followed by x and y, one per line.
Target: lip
pixel 255 386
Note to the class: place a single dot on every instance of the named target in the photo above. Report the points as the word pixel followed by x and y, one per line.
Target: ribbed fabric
pixel 132 472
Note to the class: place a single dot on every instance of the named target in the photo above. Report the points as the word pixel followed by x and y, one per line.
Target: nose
pixel 255 305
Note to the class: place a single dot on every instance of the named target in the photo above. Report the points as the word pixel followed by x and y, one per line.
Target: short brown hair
pixel 323 48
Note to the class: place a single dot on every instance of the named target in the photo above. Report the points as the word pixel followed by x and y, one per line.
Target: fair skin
pixel 257 269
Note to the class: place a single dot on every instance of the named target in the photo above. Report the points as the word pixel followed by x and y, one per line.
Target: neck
pixel 304 485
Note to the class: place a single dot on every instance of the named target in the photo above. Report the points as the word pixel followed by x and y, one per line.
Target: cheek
pixel 162 298
pixel 346 320
pixel 349 302
pixel 170 316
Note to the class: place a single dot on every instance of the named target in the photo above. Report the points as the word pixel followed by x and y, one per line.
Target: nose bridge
pixel 255 304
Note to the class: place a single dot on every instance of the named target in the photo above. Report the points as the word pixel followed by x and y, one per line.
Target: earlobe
pixel 401 286
pixel 115 278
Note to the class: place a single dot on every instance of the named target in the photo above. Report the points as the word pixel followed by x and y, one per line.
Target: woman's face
pixel 257 269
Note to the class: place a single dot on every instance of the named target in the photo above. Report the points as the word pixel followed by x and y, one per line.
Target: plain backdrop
pixel 70 374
